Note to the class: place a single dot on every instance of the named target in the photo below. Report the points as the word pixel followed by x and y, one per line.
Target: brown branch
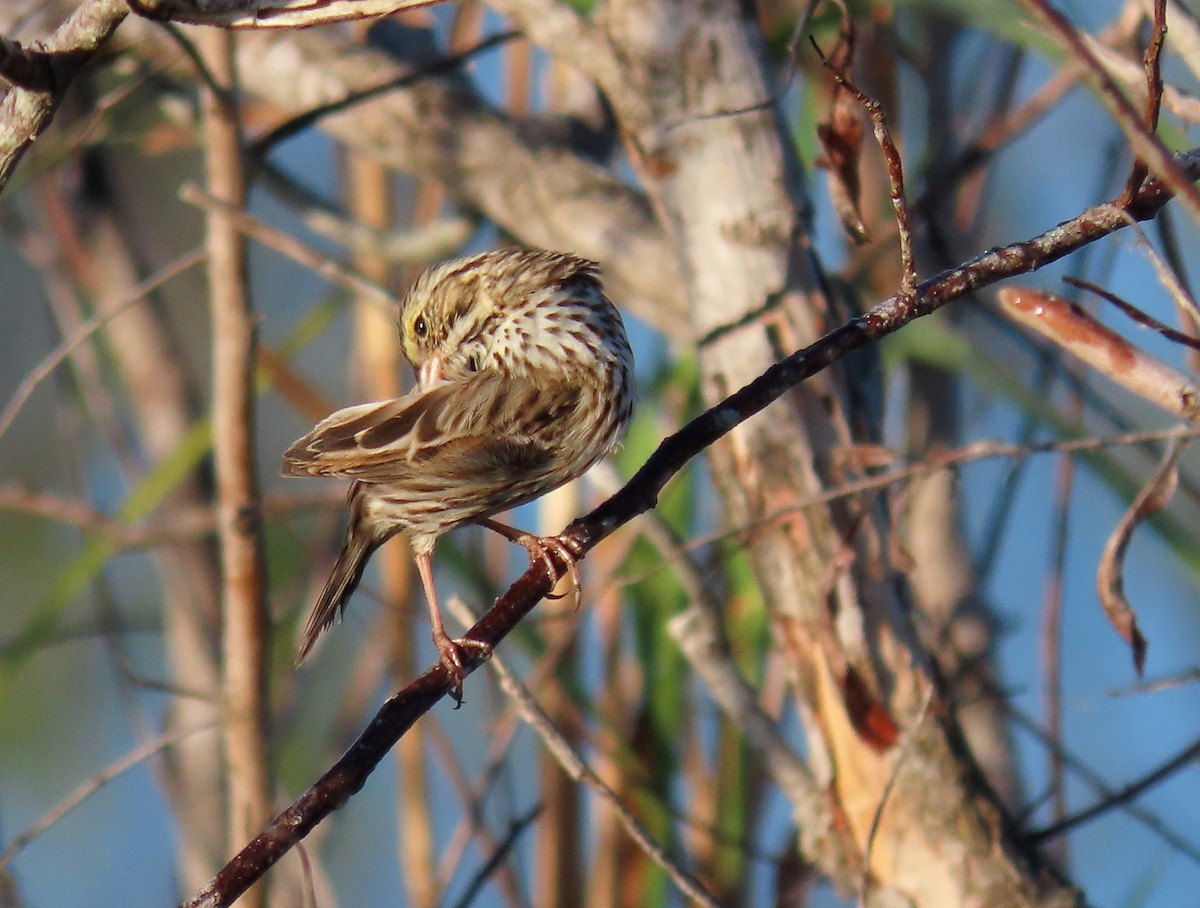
pixel 1152 63
pixel 400 711
pixel 895 172
pixel 26 111
pixel 243 609
pixel 1144 143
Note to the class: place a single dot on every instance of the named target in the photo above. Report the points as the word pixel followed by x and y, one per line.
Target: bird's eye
pixel 421 327
pixel 473 364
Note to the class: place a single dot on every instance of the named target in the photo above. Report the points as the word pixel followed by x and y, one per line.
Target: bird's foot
pixel 450 650
pixel 539 548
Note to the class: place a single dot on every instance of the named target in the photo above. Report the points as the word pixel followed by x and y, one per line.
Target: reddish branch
pixel 640 494
pixel 1152 63
pixel 1149 149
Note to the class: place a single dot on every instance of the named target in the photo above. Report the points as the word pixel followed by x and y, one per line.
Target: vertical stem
pixel 1051 627
pixel 559 879
pixel 243 607
pixel 369 189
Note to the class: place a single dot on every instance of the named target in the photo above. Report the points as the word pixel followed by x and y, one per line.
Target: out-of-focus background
pixel 110 667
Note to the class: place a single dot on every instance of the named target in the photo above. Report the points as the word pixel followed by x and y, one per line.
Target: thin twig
pixel 92 785
pixel 576 767
pixel 1144 143
pixel 86 330
pixel 902 753
pixel 895 172
pixel 290 246
pixel 977 451
pixel 1188 755
pixel 499 855
pixel 1152 64
pixel 1076 764
pixel 1135 314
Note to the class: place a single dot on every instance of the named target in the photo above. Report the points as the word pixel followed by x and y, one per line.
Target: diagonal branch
pixel 640 494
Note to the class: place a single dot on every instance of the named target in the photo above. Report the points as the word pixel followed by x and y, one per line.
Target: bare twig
pixel 293 248
pixel 1144 143
pixel 1051 663
pixel 1136 314
pixel 1119 798
pixel 1152 64
pixel 578 769
pixel 895 172
pixel 86 330
pixel 92 785
pixel 183 524
pixel 975 452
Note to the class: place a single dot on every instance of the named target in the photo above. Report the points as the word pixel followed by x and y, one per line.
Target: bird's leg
pixel 539 548
pixel 447 647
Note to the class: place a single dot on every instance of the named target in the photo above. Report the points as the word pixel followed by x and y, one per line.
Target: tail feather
pixel 359 545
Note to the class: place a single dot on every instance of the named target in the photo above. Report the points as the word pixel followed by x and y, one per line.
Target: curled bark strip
pixel 1110 575
pixel 1067 325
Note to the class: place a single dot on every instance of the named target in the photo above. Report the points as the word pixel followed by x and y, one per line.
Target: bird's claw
pixel 566 549
pixel 450 650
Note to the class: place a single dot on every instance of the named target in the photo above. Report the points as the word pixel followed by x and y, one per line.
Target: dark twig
pixel 1144 817
pixel 641 493
pixel 262 146
pixel 1152 62
pixel 1188 755
pixel 895 172
pixel 499 855
pixel 1136 314
pixel 576 767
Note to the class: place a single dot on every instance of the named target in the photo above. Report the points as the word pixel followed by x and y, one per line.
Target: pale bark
pixel 243 598
pixel 691 93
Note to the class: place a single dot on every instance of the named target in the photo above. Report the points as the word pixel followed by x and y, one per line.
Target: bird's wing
pixel 490 425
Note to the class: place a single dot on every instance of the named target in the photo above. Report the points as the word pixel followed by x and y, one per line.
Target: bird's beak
pixel 430 373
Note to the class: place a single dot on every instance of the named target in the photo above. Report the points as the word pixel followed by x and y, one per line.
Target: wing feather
pixel 490 428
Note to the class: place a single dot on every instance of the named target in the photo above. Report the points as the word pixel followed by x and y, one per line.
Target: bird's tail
pixel 357 548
